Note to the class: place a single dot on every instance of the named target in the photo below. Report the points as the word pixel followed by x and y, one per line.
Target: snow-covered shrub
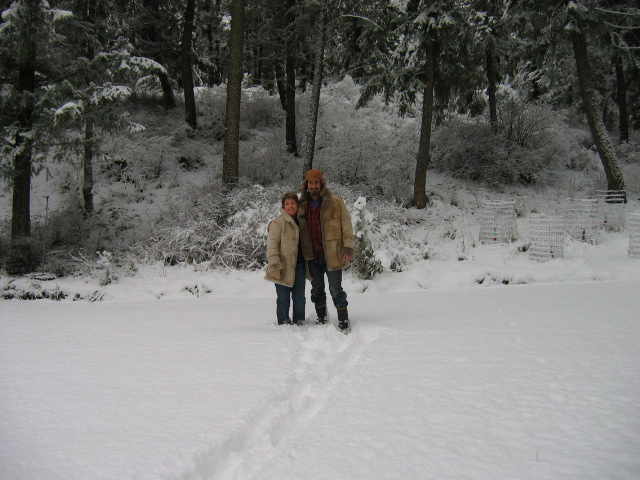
pixel 99 268
pixel 630 152
pixel 390 227
pixel 27 288
pixel 267 163
pixel 369 145
pixel 227 230
pixel 210 111
pixel 260 111
pixel 529 142
pixel 365 264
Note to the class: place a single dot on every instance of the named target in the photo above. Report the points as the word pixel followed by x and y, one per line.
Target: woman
pixel 287 267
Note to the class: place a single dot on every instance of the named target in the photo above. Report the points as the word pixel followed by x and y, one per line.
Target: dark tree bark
pixel 290 126
pixel 21 213
pixel 87 180
pixel 214 67
pixel 492 81
pixel 187 72
pixel 167 91
pixel 420 199
pixel 218 75
pixel 613 172
pixel 230 156
pixel 318 73
pixel 22 162
pixel 88 12
pixel 621 100
pixel 290 79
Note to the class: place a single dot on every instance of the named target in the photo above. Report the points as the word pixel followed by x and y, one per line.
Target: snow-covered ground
pixel 447 374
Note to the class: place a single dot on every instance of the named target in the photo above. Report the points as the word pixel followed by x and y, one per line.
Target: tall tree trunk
pixel 613 172
pixel 22 162
pixel 219 68
pixel 290 74
pixel 420 198
pixel 621 100
pixel 87 179
pixel 187 72
pixel 214 68
pixel 492 80
pixel 230 156
pixel 89 14
pixel 318 73
pixel 21 211
pixel 290 127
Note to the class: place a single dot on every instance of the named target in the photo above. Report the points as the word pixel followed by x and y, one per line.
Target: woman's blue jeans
pixel 285 294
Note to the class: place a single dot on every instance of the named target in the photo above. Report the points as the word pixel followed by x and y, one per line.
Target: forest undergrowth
pixel 159 195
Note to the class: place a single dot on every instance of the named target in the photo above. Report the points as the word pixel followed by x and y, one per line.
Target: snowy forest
pixel 488 153
pixel 138 131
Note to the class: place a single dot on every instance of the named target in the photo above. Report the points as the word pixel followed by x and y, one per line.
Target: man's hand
pixel 347 259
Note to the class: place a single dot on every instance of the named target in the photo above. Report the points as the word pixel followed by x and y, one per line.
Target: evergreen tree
pixel 187 71
pixel 430 55
pixel 99 71
pixel 230 157
pixel 153 31
pixel 208 42
pixel 29 53
pixel 320 33
pixel 578 15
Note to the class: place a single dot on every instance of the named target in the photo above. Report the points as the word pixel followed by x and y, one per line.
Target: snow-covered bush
pixel 365 264
pixel 530 141
pixel 226 230
pixel 371 145
pixel 260 111
pixel 390 233
pixel 100 269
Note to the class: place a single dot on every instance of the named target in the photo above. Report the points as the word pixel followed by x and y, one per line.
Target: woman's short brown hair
pixel 293 195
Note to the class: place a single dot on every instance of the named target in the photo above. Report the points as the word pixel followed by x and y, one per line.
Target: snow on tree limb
pixel 110 93
pixel 147 65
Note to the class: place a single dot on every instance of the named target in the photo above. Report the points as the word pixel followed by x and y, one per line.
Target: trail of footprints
pixel 323 357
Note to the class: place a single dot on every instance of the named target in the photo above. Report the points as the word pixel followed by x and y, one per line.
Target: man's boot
pixel 322 314
pixel 343 319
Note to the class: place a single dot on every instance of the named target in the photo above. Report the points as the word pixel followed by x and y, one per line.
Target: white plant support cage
pixel 497 222
pixel 611 209
pixel 634 234
pixel 547 237
pixel 581 218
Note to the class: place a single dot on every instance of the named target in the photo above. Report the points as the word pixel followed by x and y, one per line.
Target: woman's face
pixel 291 206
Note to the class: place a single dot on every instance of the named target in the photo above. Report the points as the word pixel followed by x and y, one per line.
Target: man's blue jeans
pixel 285 294
pixel 318 269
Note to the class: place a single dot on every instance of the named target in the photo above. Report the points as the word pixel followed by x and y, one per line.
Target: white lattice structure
pixel 546 233
pixel 497 222
pixel 634 234
pixel 581 218
pixel 611 209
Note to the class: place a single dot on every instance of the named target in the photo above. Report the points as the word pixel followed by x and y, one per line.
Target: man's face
pixel 314 187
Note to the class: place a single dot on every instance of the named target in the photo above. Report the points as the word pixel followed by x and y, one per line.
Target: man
pixel 331 235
